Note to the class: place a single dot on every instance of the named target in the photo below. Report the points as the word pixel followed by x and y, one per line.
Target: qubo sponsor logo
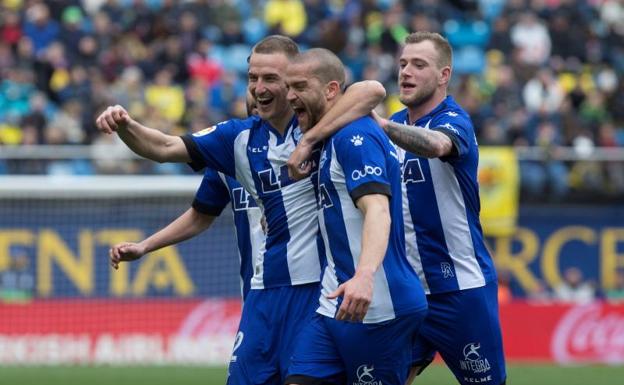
pixel 365 376
pixel 472 359
pixel 368 170
pixel 590 333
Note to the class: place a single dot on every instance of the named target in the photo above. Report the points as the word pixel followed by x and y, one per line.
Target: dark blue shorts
pixel 354 353
pixel 270 323
pixel 463 326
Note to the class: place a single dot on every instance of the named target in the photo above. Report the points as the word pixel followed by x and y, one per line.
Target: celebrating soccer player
pixel 372 303
pixel 284 286
pixel 443 233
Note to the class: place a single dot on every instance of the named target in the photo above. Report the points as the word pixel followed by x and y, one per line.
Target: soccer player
pixel 284 286
pixel 441 212
pixel 371 303
pixel 215 192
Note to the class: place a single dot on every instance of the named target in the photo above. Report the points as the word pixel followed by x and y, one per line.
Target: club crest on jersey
pixel 357 140
pixel 205 131
pixel 447 271
pixel 297 134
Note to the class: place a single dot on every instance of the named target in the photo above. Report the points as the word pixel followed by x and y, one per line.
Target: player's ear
pixel 332 90
pixel 445 75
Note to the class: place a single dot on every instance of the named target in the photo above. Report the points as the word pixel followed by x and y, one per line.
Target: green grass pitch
pixel 524 374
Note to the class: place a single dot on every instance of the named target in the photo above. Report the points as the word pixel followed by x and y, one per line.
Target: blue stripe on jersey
pixel 242 203
pixel 269 184
pixel 215 192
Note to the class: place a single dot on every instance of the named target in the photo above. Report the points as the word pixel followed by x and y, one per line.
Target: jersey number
pixel 412 171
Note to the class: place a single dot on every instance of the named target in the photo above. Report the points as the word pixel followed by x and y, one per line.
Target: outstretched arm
pixel 186 226
pixel 358 291
pixel 358 100
pixel 417 140
pixel 145 141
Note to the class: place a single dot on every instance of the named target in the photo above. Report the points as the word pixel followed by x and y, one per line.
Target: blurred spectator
pixel 166 96
pixel 542 94
pixel 531 38
pixel 11 30
pixel 286 17
pixel 39 27
pixel 573 288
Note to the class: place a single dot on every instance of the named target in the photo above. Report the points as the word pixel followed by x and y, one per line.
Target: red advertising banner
pixel 202 332
pixel 118 332
pixel 592 333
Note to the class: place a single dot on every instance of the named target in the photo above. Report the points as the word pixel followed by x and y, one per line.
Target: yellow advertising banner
pixel 499 190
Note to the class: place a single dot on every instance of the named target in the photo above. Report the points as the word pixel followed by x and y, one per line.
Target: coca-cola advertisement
pixel 565 334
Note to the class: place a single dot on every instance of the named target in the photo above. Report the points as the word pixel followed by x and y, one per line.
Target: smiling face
pixel 267 87
pixel 420 78
pixel 306 94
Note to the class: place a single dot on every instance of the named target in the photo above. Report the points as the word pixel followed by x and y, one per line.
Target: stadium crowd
pixel 530 73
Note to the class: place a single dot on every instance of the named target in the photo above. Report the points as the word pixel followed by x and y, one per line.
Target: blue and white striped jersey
pixel 215 192
pixel 255 154
pixel 356 161
pixel 441 206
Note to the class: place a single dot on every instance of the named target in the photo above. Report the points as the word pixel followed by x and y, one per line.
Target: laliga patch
pixel 205 131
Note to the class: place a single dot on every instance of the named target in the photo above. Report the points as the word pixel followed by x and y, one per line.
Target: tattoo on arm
pixel 419 141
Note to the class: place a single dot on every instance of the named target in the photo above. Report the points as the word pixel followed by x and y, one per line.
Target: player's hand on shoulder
pixel 114 118
pixel 124 252
pixel 382 122
pixel 357 295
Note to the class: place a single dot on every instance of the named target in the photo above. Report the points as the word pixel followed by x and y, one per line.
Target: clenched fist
pixel 112 119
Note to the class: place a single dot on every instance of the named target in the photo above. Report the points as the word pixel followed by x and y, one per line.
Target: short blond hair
pixel 442 46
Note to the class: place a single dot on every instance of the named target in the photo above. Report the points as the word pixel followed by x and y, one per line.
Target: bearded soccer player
pixel 371 303
pixel 284 286
pixel 443 233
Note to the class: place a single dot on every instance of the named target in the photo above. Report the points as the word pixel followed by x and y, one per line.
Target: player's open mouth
pixel 407 86
pixel 299 111
pixel 264 101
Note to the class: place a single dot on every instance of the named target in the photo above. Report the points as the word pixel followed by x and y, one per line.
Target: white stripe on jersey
pixel 456 232
pixel 299 201
pixel 381 308
pixel 243 176
pixel 411 246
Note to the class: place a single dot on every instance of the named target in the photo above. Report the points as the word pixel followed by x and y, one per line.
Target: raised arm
pixel 417 140
pixel 144 141
pixel 186 226
pixel 358 100
pixel 358 291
